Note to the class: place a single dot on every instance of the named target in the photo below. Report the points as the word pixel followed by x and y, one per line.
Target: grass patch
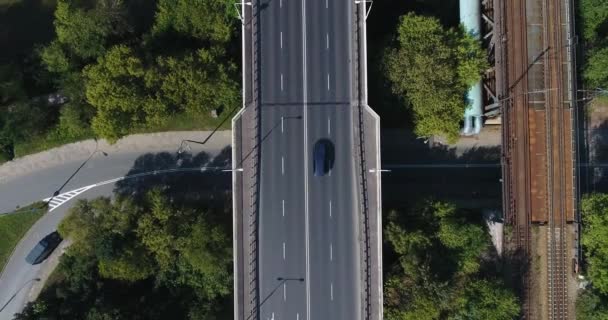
pixel 602 99
pixel 188 122
pixel 13 227
pixel 179 122
pixel 50 141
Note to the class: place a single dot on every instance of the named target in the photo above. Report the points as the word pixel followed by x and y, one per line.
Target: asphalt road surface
pixel 41 181
pixel 308 225
pixel 17 278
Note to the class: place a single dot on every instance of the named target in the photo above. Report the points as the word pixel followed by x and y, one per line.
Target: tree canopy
pixel 596 68
pixel 207 20
pixel 591 305
pixel 593 302
pixel 140 259
pixel 595 239
pixel 594 21
pixel 431 68
pixel 439 251
pixel 593 15
pixel 195 83
pixel 85 32
pixel 116 87
pixel 122 78
pixel 20 118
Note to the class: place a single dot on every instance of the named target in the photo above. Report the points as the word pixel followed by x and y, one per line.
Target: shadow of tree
pixel 24 24
pixel 602 33
pixel 516 266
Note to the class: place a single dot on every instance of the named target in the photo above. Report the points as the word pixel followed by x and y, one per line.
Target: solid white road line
pixel 78 191
pixel 305 115
pixel 284 291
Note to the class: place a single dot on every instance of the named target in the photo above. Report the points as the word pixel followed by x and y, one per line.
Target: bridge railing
pixel 246 158
pixel 359 116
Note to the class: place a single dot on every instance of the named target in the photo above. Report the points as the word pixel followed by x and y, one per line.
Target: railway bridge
pixel 535 82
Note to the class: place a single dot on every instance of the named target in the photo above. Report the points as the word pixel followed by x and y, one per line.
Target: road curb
pixel 80 150
pixel 25 236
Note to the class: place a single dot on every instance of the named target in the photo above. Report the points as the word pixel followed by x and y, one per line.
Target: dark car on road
pixel 44 248
pixel 323 157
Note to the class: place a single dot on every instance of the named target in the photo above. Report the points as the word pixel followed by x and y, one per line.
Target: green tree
pixel 596 68
pixel 116 88
pixel 208 250
pixel 438 250
pixel 210 20
pixel 431 68
pixel 467 240
pixel 130 263
pixel 131 242
pixel 185 240
pixel 105 230
pixel 595 239
pixel 594 21
pixel 591 306
pixel 96 314
pixel 87 32
pixel 33 311
pixel 485 300
pixel 55 58
pixel 159 228
pixel 415 296
pixel 75 120
pixel 197 83
pixel 594 17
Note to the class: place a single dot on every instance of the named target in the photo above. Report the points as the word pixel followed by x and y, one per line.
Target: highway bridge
pixel 306 246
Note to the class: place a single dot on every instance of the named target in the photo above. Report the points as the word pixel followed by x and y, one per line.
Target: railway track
pixel 557 269
pixel 517 138
pixel 537 144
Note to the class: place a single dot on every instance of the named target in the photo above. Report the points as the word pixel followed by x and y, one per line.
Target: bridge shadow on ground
pixel 188 184
pixel 594 178
pixel 420 170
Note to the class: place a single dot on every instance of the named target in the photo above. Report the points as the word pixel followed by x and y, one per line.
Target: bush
pixel 74 120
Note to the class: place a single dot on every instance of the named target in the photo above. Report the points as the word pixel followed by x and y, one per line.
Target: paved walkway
pixel 165 141
pixel 34 177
